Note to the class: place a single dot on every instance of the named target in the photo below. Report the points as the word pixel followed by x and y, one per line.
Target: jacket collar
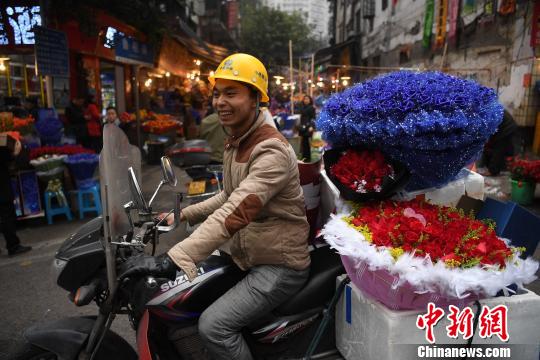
pixel 235 141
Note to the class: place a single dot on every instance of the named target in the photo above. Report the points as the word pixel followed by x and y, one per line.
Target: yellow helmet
pixel 244 68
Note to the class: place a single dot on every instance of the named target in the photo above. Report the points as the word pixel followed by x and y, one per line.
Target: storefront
pixel 102 63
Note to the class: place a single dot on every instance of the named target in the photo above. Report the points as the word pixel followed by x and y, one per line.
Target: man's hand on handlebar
pixel 141 265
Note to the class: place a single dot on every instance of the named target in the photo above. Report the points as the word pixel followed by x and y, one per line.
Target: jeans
pixel 262 290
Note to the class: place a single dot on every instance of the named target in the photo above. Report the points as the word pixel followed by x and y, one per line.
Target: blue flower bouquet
pixel 50 132
pixel 433 123
pixel 83 167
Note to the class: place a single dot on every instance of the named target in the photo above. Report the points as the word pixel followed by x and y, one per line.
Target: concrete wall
pixel 496 54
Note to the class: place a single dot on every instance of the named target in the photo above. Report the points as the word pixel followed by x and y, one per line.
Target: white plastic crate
pixel 367 330
pixel 468 182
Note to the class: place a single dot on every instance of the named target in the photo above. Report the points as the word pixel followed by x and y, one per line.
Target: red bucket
pixel 310 180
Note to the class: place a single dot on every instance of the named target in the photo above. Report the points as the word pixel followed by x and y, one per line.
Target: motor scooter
pixel 165 312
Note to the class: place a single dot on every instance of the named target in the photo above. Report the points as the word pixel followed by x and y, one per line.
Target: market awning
pixel 178 53
pixel 212 54
pixel 331 54
pixel 174 57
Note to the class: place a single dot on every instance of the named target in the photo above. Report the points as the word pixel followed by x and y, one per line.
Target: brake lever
pixel 166 216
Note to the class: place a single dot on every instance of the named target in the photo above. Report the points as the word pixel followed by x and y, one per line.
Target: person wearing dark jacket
pixel 500 145
pixel 8 217
pixel 307 117
pixel 77 122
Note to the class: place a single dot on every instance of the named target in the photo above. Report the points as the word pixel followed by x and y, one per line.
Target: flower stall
pixel 50 165
pixel 161 124
pixel 525 174
pixel 152 123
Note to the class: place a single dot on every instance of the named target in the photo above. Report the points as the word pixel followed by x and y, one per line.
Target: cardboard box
pixel 514 222
pixel 367 330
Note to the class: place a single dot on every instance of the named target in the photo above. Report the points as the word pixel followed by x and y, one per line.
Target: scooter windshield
pixel 114 161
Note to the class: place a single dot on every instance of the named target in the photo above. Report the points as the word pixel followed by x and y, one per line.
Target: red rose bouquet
pixel 59 150
pixel 362 171
pixel 523 169
pixel 407 254
pixel 439 232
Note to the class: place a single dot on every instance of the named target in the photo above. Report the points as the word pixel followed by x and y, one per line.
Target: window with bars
pixel 369 8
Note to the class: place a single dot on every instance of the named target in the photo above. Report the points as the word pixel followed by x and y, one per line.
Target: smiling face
pixel 235 104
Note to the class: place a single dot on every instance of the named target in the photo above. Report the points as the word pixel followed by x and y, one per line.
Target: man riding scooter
pixel 259 217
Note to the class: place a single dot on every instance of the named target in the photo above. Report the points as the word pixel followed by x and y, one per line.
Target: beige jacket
pixel 260 213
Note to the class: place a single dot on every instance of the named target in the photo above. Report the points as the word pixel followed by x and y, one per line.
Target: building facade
pixel 315 13
pixel 487 41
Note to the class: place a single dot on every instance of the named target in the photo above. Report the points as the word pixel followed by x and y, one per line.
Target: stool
pixel 51 210
pixel 88 200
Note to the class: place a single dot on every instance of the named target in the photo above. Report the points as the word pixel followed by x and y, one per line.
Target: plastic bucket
pixel 523 192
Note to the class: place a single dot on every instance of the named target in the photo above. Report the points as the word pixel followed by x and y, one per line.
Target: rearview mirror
pixel 169 176
pixel 136 192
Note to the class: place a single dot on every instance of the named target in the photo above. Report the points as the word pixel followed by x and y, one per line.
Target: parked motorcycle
pixel 165 312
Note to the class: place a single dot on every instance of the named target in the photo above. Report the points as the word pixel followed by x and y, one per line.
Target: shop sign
pixel 535 31
pixel 130 50
pixel 52 55
pixel 428 23
pixel 17 23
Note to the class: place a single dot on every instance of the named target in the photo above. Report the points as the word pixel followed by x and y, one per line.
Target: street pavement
pixel 28 293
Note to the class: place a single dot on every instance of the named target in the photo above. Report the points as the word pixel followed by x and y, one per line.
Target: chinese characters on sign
pixel 131 50
pixel 492 321
pixel 18 27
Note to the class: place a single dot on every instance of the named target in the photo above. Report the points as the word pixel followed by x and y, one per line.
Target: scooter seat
pixel 325 267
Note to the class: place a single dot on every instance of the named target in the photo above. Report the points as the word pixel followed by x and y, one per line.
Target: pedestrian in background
pixel 111 116
pixel 212 131
pixel 31 105
pixel 8 217
pixel 499 146
pixel 307 125
pixel 93 124
pixel 77 122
